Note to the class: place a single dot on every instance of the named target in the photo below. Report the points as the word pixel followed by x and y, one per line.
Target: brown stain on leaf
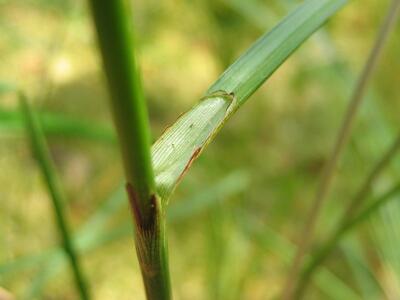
pixel 195 155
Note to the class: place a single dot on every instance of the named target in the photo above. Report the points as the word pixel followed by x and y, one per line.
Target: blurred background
pixel 233 220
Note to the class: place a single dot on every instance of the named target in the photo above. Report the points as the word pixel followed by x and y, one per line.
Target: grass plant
pixel 153 171
pixel 183 142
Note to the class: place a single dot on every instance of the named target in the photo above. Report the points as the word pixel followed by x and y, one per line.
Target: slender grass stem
pixel 127 101
pixel 372 208
pixel 346 226
pixel 49 173
pixel 350 218
pixel 341 140
pixel 130 117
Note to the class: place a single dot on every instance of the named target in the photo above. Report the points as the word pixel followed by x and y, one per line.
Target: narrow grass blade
pixel 347 221
pixel 230 185
pixel 373 208
pixel 176 149
pixel 267 54
pixel 25 262
pixel 330 284
pixel 12 122
pixel 384 229
pixel 367 282
pixel 49 173
pixel 342 138
pixel 96 224
pixel 35 288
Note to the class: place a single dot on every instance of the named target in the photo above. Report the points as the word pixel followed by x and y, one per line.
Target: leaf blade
pixel 176 149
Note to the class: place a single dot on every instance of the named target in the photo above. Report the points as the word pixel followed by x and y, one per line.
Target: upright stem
pixel 341 140
pixel 348 218
pixel 115 38
pixel 49 173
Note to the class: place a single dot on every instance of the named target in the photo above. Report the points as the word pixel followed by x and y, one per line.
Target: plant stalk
pixel 49 173
pixel 328 172
pixel 350 218
pixel 113 26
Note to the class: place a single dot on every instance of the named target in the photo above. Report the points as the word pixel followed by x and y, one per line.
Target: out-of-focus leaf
pixel 58 125
pixel 230 185
pixel 366 280
pixel 49 174
pixel 386 235
pixel 327 282
pixel 7 87
pixel 94 234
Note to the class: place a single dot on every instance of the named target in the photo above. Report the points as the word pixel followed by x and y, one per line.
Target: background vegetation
pixel 233 220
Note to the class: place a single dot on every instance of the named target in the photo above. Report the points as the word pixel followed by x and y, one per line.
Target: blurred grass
pixel 41 152
pixel 281 139
pixel 57 125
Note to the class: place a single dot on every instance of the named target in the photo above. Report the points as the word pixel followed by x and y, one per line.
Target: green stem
pixel 341 141
pixel 42 154
pixel 350 219
pixel 115 37
pixel 372 208
pixel 127 101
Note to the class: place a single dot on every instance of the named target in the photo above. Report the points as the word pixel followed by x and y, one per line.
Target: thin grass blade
pixel 267 238
pixel 54 124
pixel 42 154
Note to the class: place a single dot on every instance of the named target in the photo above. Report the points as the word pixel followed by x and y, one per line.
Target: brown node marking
pixel 142 222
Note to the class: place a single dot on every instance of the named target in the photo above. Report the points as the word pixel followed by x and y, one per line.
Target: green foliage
pixel 231 236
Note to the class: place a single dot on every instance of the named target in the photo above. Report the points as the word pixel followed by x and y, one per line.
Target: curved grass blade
pixel 174 152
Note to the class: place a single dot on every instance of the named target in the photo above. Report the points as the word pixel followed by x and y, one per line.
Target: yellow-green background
pixel 235 243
